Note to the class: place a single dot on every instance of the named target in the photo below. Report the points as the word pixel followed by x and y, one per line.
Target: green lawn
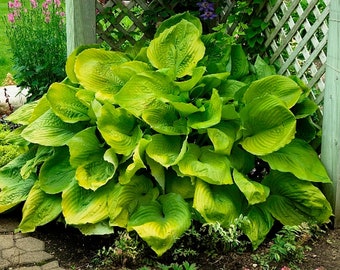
pixel 5 54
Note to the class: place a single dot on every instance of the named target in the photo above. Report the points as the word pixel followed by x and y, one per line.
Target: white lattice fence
pixel 297 38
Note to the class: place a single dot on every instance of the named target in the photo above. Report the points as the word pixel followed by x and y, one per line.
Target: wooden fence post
pixel 330 152
pixel 80 23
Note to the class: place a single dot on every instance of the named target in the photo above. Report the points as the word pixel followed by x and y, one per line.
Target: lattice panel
pixel 297 38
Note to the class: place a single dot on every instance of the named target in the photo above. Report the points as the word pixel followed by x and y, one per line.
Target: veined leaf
pixel 259 225
pixel 282 87
pixel 99 228
pixel 221 204
pixel 253 191
pixel 157 171
pixel 160 223
pixel 119 129
pixel 124 199
pixel 211 116
pixel 94 165
pixel 263 69
pixel 166 150
pixel 239 62
pixel 293 201
pixel 56 173
pixel 304 108
pixel 300 159
pixel 142 90
pixel 203 163
pixel 228 88
pixel 65 104
pixel 268 125
pixel 187 85
pixel 164 119
pixel 177 48
pixel 50 130
pixel 183 186
pixel 23 114
pixel 82 206
pixel 39 209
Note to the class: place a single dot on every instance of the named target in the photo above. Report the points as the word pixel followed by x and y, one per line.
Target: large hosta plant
pixel 144 139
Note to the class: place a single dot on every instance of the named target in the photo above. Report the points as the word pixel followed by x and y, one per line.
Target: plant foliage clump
pixel 151 140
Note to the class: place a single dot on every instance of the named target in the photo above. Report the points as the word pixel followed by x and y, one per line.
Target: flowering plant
pixel 37 37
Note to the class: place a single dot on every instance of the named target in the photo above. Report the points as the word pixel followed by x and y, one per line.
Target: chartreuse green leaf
pixel 143 90
pixel 164 119
pixel 239 62
pixel 94 165
pixel 160 223
pixel 82 206
pixel 23 114
pixel 65 104
pixel 223 136
pixel 56 173
pixel 15 193
pixel 131 166
pixel 119 129
pixel 259 224
pixel 304 108
pixel 178 48
pixel 39 209
pixel 50 130
pixel 293 201
pixel 93 69
pixel 124 199
pixel 211 116
pixel 253 191
pixel 99 228
pixel 203 163
pixel 300 159
pixel 166 150
pixel 268 125
pixel 221 204
pixel 157 171
pixel 183 186
pixel 263 69
pixel 228 89
pixel 195 78
pixel 277 85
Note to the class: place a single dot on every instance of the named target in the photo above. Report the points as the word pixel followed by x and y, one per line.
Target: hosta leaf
pixel 142 90
pixel 129 169
pixel 119 129
pixel 160 223
pixel 195 78
pixel 23 114
pixel 259 225
pixel 241 160
pixel 124 199
pixel 164 119
pixel 94 165
pixel 99 228
pixel 221 204
pixel 82 206
pixel 181 185
pixel 50 130
pixel 166 150
pixel 239 62
pixel 223 137
pixel 177 48
pixel 300 159
pixel 157 171
pixel 184 109
pixel 65 104
pixel 268 125
pixel 263 69
pixel 228 88
pixel 282 87
pixel 253 191
pixel 39 209
pixel 203 163
pixel 56 173
pixel 93 69
pixel 17 192
pixel 293 201
pixel 304 108
pixel 211 116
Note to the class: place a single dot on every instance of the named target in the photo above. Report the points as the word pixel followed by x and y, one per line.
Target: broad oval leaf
pixel 50 130
pixel 253 191
pixel 293 201
pixel 99 228
pixel 221 204
pixel 300 159
pixel 268 125
pixel 177 48
pixel 277 85
pixel 65 104
pixel 39 209
pixel 160 223
pixel 23 114
pixel 203 163
pixel 166 150
pixel 82 206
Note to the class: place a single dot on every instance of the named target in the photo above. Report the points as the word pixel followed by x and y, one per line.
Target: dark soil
pixel 75 251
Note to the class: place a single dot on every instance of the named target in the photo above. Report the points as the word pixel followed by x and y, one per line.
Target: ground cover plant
pixel 152 139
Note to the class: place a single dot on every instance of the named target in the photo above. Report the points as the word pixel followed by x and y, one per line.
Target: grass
pixel 5 54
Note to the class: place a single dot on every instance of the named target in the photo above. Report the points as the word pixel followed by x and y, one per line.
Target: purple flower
pixel 205 6
pixel 208 15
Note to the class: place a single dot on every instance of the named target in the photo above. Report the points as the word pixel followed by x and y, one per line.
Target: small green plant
pixel 37 38
pixel 7 151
